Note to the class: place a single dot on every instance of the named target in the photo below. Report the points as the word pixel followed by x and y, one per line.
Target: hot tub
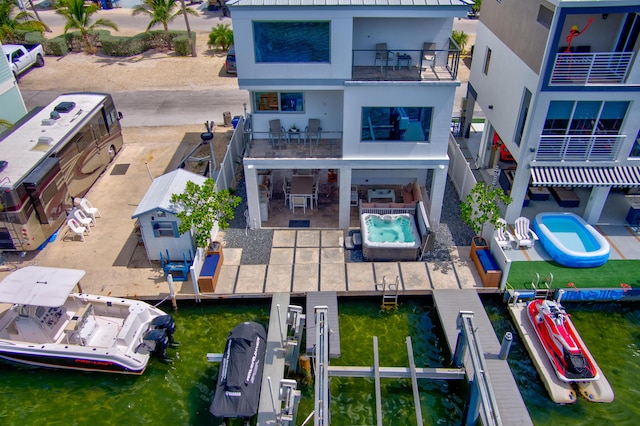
pixel 389 237
pixel 570 240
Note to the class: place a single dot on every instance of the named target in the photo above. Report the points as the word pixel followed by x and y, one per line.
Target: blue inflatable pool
pixel 570 240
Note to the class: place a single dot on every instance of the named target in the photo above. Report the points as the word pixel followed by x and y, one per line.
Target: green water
pixel 180 393
pixel 612 334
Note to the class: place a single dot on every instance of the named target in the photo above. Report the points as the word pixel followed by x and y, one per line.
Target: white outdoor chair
pixel 428 56
pixel 525 236
pixel 77 229
pixel 88 209
pixel 285 191
pixel 298 201
pixel 83 219
pixel 503 237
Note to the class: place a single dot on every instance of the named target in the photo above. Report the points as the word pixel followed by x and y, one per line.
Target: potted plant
pixel 482 206
pixel 293 128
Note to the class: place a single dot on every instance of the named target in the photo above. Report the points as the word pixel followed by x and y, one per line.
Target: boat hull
pixel 80 363
pixel 570 360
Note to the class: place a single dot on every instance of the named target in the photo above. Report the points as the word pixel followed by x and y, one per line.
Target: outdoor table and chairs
pixel 301 186
pixel 381 193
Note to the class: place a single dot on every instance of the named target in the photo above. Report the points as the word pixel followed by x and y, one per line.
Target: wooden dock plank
pixel 330 300
pixel 449 303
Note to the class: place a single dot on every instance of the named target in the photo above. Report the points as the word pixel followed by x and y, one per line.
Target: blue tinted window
pixel 403 124
pixel 303 42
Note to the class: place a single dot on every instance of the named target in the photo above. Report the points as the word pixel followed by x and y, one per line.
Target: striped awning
pixel 623 176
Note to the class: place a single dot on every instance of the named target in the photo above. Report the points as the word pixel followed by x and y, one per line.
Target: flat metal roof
pixel 40 137
pixel 363 3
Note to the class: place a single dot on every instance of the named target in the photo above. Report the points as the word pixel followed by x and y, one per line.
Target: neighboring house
pixel 559 82
pixel 157 217
pixel 379 76
pixel 12 107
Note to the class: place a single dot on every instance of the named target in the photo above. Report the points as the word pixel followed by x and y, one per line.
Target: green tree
pixel 461 38
pixel 482 206
pixel 477 4
pixel 79 16
pixel 5 125
pixel 201 207
pixel 221 35
pixel 161 12
pixel 12 20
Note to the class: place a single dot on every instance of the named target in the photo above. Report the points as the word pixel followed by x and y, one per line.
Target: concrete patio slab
pixel 332 238
pixel 305 277
pixel 227 279
pixel 307 255
pixel 332 277
pixel 442 275
pixel 284 238
pixel 466 273
pixel 360 277
pixel 387 270
pixel 415 276
pixel 251 279
pixel 232 256
pixel 278 278
pixel 308 239
pixel 331 255
pixel 281 256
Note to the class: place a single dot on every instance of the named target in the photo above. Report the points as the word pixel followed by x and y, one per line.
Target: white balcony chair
pixel 88 209
pixel 298 201
pixel 77 229
pixel 503 237
pixel 428 56
pixel 285 191
pixel 83 219
pixel 524 234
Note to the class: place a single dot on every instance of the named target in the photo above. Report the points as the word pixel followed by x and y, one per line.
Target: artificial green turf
pixel 609 275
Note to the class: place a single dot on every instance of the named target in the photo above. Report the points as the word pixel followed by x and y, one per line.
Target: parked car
pixel 230 62
pixel 23 57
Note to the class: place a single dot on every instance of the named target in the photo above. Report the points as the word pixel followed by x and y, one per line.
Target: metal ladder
pixel 389 293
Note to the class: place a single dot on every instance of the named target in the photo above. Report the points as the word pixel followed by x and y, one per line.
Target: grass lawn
pixel 609 275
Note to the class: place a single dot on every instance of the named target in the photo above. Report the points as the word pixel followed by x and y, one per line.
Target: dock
pixel 273 370
pixel 559 391
pixel 330 300
pixel 512 409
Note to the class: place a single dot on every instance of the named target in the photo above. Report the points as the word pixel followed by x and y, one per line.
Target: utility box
pixel 226 116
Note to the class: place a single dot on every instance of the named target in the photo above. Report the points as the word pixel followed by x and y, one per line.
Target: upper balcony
pixel 399 64
pixel 579 147
pixel 598 68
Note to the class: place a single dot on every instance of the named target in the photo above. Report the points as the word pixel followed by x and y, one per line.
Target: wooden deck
pixel 330 300
pixel 449 303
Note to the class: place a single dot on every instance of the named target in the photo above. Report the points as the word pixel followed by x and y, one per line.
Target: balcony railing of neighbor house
pixel 398 64
pixel 591 68
pixel 578 148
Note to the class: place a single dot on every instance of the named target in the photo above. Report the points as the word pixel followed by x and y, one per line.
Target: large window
pixel 487 62
pixel 291 41
pixel 278 101
pixel 165 229
pixel 585 118
pixel 403 124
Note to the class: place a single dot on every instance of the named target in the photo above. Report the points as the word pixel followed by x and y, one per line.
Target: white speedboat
pixel 44 323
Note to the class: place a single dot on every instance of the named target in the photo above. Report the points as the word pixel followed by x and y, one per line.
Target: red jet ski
pixel 559 339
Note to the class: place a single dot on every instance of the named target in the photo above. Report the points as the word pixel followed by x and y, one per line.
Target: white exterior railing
pixel 578 147
pixel 591 68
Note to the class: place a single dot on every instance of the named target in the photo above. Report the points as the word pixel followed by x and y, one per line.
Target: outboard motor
pixel 156 342
pixel 166 323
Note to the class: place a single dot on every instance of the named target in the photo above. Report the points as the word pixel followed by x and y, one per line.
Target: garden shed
pixel 156 215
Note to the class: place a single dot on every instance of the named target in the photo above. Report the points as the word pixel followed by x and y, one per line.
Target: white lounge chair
pixel 503 237
pixel 84 220
pixel 77 229
pixel 298 201
pixel 88 209
pixel 525 236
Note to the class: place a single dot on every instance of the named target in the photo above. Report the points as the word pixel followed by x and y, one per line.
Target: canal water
pixel 180 393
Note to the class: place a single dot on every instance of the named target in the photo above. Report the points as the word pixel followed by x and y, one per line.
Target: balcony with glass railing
pixel 597 68
pixel 578 147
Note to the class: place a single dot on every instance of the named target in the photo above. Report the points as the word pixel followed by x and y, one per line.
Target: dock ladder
pixel 389 293
pixel 542 290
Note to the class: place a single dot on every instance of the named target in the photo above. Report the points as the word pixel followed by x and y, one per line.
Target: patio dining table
pixel 302 186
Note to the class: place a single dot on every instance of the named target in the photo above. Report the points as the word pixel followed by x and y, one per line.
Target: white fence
pixel 232 158
pixel 460 171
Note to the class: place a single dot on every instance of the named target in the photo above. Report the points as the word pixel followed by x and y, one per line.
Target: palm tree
pixel 161 12
pixel 221 35
pixel 12 20
pixel 461 38
pixel 79 17
pixel 5 124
